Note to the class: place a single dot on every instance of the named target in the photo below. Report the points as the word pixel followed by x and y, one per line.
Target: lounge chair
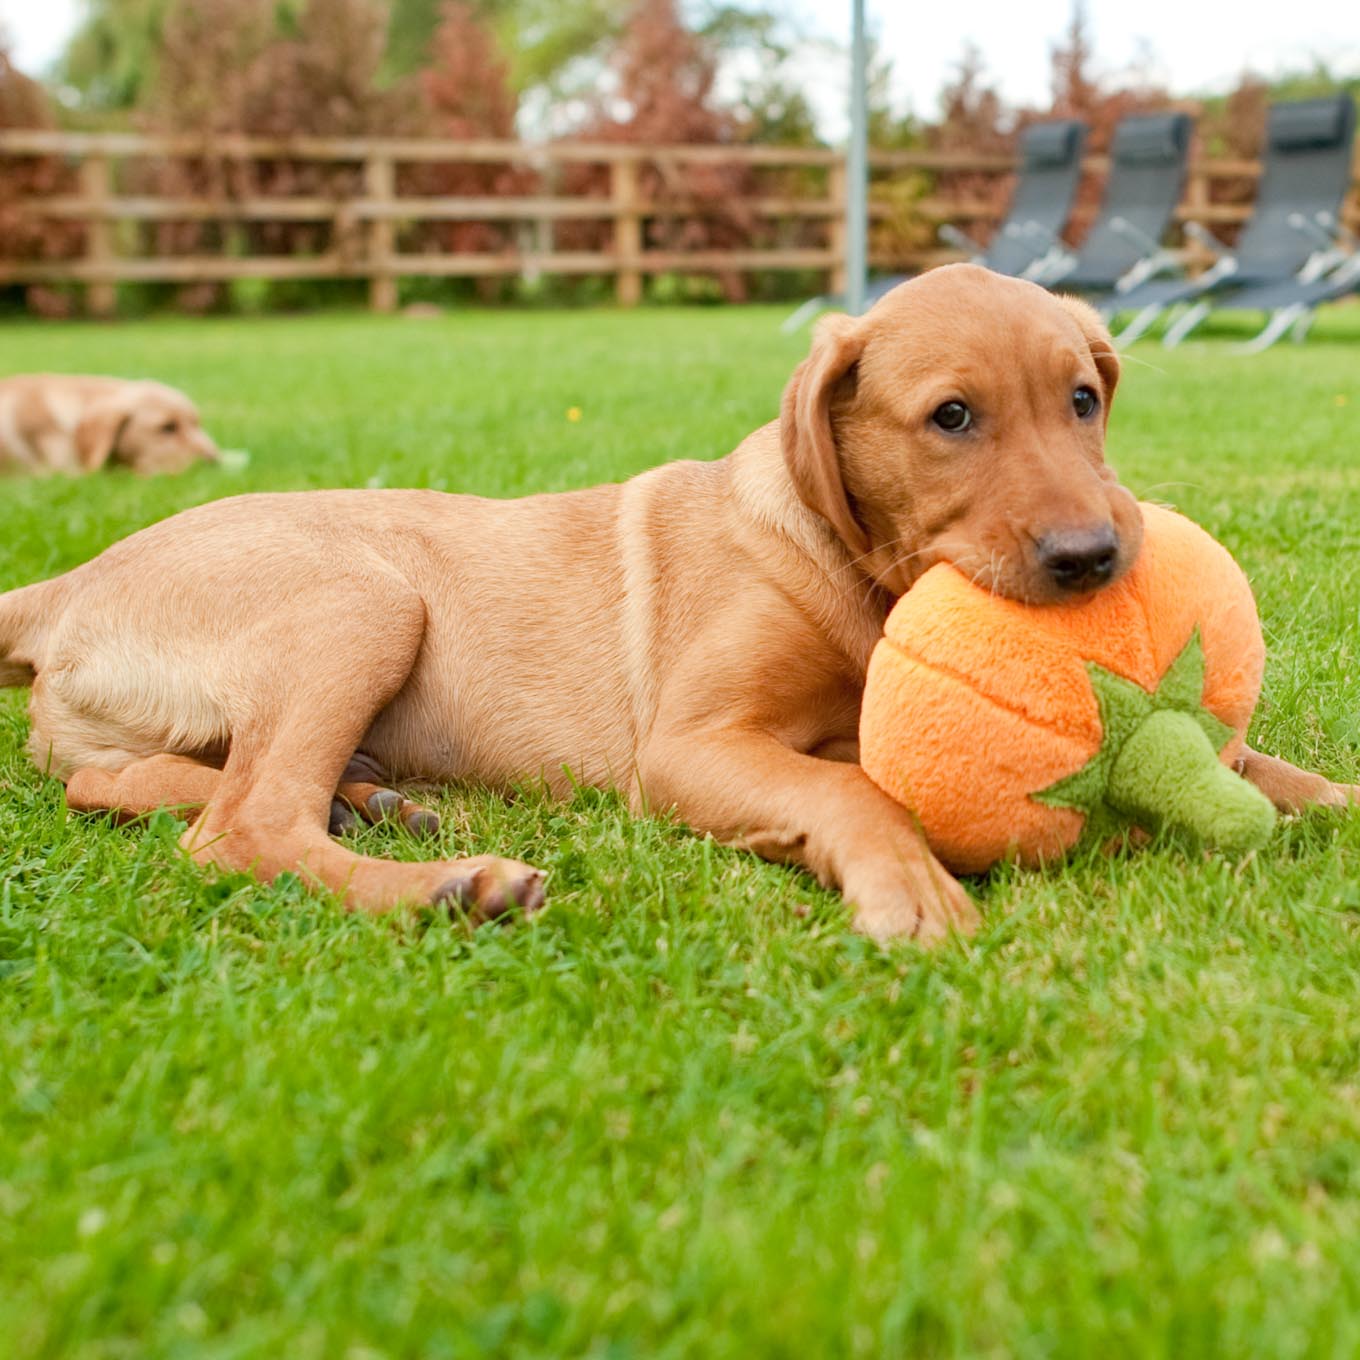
pixel 1289 237
pixel 1124 246
pixel 1029 239
pixel 1291 306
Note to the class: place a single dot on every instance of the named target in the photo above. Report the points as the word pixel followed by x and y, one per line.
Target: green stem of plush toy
pixel 1167 775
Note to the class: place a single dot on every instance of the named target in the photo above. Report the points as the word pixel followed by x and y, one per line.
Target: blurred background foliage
pixel 203 62
pixel 639 71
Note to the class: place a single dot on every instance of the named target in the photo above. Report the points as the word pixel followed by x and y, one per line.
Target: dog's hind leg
pixel 184 785
pixel 364 791
pixel 142 786
pixel 301 719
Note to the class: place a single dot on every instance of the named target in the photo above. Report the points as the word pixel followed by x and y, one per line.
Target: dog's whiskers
pixel 1127 358
pixel 910 557
pixel 1165 486
pixel 884 547
pixel 881 547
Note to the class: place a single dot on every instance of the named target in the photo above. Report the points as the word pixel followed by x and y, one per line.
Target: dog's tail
pixel 25 616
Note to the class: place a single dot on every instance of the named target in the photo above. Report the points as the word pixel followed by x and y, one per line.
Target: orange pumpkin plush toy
pixel 1011 729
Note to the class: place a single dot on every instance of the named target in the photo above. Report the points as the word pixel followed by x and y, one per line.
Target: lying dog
pixel 697 636
pixel 53 422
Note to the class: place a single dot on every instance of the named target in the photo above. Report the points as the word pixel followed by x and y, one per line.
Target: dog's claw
pixel 493 887
pixel 384 804
pixel 342 819
pixel 458 892
pixel 381 804
pixel 420 821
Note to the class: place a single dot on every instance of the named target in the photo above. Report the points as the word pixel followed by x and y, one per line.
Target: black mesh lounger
pixel 1028 239
pixel 1291 305
pixel 1307 171
pixel 1050 168
pixel 1147 173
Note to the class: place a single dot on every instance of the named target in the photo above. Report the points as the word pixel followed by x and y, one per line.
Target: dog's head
pixel 962 419
pixel 147 426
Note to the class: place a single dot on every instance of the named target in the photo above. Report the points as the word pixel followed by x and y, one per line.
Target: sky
pixel 37 30
pixel 1194 45
pixel 1187 46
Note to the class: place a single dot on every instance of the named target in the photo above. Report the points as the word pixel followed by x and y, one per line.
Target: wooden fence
pixel 361 225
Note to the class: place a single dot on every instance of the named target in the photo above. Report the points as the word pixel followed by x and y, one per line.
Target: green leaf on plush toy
pixel 1124 707
pixel 1158 764
pixel 1182 688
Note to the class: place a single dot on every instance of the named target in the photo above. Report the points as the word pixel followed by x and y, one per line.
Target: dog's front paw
pixel 920 901
pixel 487 887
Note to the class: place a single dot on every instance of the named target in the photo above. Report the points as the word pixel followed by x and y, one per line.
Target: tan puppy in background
pixel 55 422
pixel 696 637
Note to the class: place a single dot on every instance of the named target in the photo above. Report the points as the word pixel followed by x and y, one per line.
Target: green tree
pixel 111 58
pixel 542 36
pixel 554 46
pixel 769 102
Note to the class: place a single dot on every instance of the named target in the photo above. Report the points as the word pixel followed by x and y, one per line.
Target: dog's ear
pixel 100 428
pixel 1102 347
pixel 805 425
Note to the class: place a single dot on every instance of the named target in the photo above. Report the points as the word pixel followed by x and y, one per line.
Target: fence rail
pixel 362 224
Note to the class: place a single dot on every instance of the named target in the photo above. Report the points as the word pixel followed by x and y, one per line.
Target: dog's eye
pixel 170 427
pixel 1084 401
pixel 952 417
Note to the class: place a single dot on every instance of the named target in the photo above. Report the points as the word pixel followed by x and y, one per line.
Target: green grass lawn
pixel 685 1111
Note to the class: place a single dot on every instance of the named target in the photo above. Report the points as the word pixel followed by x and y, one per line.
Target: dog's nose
pixel 1080 559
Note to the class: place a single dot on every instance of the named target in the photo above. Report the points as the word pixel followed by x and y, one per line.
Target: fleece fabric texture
pixel 975 703
pixel 1166 776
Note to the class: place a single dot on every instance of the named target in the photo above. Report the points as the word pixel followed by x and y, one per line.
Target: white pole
pixel 857 168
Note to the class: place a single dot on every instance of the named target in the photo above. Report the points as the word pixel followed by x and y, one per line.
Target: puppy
pixel 51 422
pixel 696 637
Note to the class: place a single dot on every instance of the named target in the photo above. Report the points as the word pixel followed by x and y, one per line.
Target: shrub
pixel 663 94
pixel 25 235
pixel 467 94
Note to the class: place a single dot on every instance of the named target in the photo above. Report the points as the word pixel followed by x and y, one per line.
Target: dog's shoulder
pixel 736 529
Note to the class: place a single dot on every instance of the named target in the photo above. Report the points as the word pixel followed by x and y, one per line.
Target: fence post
pixel 1196 200
pixel 836 182
pixel 96 186
pixel 542 242
pixel 627 231
pixel 380 182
